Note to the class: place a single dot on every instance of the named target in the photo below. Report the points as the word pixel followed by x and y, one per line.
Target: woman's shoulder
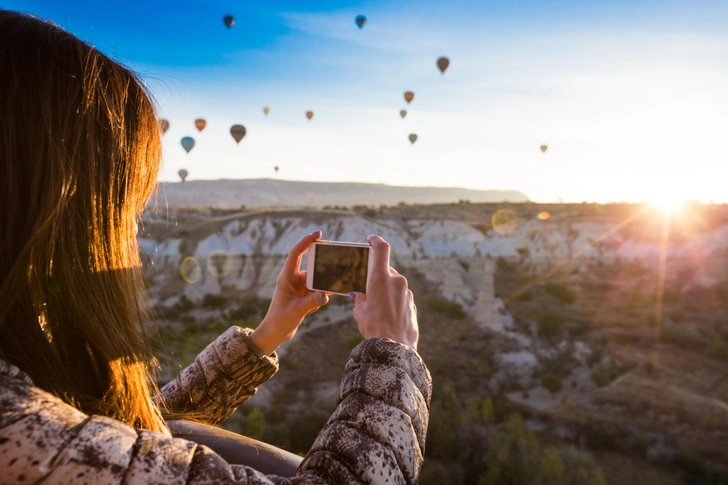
pixel 10 371
pixel 20 399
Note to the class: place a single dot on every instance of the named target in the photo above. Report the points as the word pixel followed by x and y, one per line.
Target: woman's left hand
pixel 291 302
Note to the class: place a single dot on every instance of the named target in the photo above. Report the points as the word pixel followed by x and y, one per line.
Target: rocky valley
pixel 603 327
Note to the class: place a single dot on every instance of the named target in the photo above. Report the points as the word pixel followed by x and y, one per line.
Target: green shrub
pixel 562 292
pixel 254 426
pixel 354 340
pixel 189 323
pixel 524 278
pixel 514 455
pixel 263 307
pixel 480 410
pixel 579 469
pixel 213 301
pixel 184 304
pixel 305 427
pixel 172 313
pixel 552 382
pixel 600 377
pixel 248 308
pixel 550 323
pixel 446 417
pixel 651 320
pixel 602 436
pixel 502 264
pixel 719 348
pixel 526 296
pixel 448 308
pixel 650 368
pixel 435 473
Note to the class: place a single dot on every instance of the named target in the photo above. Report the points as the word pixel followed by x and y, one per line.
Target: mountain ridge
pixel 232 193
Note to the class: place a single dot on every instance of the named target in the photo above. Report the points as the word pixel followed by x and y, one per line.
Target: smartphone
pixel 337 267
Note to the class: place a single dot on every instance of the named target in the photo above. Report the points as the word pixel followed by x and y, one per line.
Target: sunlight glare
pixel 668 203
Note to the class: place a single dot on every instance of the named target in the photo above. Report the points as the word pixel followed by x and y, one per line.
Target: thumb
pixel 356 297
pixel 313 301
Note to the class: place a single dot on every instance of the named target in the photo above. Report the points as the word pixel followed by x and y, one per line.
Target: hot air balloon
pixel 164 126
pixel 229 21
pixel 403 113
pixel 266 110
pixel 409 96
pixel 309 115
pixel 544 148
pixel 442 64
pixel 275 168
pixel 188 143
pixel 360 21
pixel 183 174
pixel 413 138
pixel 238 132
pixel 200 124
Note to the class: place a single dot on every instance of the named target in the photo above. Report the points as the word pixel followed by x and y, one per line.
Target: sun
pixel 668 202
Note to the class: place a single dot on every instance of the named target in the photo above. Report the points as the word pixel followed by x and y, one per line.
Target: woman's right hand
pixel 387 309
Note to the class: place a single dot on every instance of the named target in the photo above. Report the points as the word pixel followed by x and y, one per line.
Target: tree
pixel 254 426
pixel 514 455
pixel 550 323
pixel 719 348
pixel 446 416
pixel 480 410
pixel 552 382
pixel 562 292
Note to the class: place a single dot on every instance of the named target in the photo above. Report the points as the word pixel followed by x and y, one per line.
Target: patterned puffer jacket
pixel 375 435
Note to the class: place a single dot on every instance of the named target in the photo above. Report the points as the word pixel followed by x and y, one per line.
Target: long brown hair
pixel 79 155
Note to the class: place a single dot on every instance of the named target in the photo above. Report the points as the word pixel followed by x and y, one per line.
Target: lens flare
pixel 668 203
pixel 219 263
pixel 190 270
pixel 505 221
pixel 543 215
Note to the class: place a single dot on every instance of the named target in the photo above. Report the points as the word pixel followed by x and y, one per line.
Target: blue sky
pixel 630 96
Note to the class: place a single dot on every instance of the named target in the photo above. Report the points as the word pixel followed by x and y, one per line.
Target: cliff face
pixel 253 246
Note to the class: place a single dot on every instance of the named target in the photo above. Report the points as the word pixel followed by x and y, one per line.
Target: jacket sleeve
pixel 376 435
pixel 222 377
pixel 377 431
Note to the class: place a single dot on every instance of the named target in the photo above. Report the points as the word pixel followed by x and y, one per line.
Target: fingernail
pixel 321 298
pixel 351 297
pixel 315 232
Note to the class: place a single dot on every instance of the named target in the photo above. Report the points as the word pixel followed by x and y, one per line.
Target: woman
pixel 80 151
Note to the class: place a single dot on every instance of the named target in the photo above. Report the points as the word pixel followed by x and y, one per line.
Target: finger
pixel 314 301
pixel 411 299
pixel 380 254
pixel 300 283
pixel 356 297
pixel 293 261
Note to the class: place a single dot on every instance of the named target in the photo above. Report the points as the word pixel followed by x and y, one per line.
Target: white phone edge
pixel 311 257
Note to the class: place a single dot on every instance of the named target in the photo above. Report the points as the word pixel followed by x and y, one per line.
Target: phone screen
pixel 340 269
